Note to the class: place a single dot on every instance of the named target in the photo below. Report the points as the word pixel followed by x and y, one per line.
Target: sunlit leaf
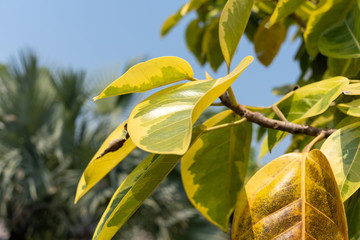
pixel 326 14
pixel 266 50
pixel 194 38
pixel 351 108
pixel 349 67
pixel 352 89
pixel 174 19
pixel 283 9
pixel 211 46
pixel 138 185
pixel 233 20
pixel 342 149
pixel 214 168
pixel 162 123
pixel 147 75
pixel 343 39
pixel 293 197
pixel 103 161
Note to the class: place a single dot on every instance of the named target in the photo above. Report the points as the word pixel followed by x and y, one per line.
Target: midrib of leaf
pixel 352 35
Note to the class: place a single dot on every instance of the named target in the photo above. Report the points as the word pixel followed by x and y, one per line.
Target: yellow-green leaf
pixel 194 38
pixel 233 21
pixel 342 149
pixel 293 197
pixel 214 168
pixel 326 14
pixel 352 89
pixel 162 123
pixel 343 39
pixel 267 41
pixel 138 185
pixel 147 75
pixel 351 108
pixel 104 160
pixel 349 67
pixel 174 19
pixel 211 46
pixel 283 9
pixel 312 99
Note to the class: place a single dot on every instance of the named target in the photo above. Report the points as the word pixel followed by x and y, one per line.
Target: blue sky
pixel 99 35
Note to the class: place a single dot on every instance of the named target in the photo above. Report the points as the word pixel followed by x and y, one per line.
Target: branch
pixel 265 122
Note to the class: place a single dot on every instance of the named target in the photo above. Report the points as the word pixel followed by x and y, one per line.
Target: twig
pixel 265 122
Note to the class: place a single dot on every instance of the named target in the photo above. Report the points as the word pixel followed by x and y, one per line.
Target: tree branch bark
pixel 265 122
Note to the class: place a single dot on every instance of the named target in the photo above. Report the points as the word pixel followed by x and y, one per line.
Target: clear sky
pixel 93 35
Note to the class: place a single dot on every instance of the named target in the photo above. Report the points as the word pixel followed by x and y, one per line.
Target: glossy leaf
pixel 162 123
pixel 233 21
pixel 293 197
pixel 138 185
pixel 343 39
pixel 342 149
pixel 214 168
pixel 211 46
pixel 101 164
pixel 312 99
pixel 352 89
pixel 326 14
pixel 147 75
pixel 194 38
pixel 351 108
pixel 174 19
pixel 266 50
pixel 283 9
pixel 349 67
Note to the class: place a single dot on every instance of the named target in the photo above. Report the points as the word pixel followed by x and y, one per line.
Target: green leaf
pixel 349 67
pixel 194 38
pixel 351 108
pixel 211 46
pixel 162 123
pixel 233 21
pixel 343 39
pixel 103 161
pixel 174 19
pixel 293 197
pixel 195 4
pixel 214 168
pixel 352 208
pixel 266 50
pixel 342 150
pixel 283 9
pixel 326 14
pixel 147 75
pixel 312 99
pixel 352 89
pixel 138 185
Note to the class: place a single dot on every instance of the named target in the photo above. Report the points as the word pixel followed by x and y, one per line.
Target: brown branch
pixel 265 122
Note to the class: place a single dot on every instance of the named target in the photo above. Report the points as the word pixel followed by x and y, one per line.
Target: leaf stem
pixel 317 139
pixel 225 125
pixel 279 113
pixel 232 97
pixel 193 79
pixel 217 104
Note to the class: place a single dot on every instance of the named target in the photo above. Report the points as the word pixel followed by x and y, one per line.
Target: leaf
pixel 266 50
pixel 342 150
pixel 233 21
pixel 293 197
pixel 195 4
pixel 352 89
pixel 352 108
pixel 352 208
pixel 312 99
pixel 214 168
pixel 147 75
pixel 326 14
pixel 211 46
pixel 194 38
pixel 283 9
pixel 349 67
pixel 99 165
pixel 285 89
pixel 343 39
pixel 162 123
pixel 138 185
pixel 174 19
